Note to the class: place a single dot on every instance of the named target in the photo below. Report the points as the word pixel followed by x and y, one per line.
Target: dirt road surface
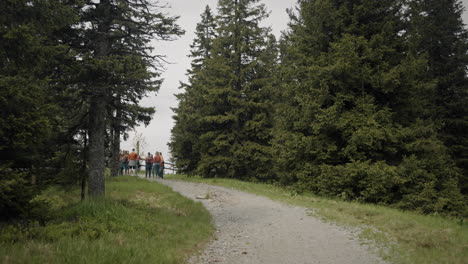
pixel 256 230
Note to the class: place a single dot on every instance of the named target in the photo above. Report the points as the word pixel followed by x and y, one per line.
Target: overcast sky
pixel 158 133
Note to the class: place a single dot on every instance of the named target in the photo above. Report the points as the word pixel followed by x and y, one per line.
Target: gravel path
pixel 254 229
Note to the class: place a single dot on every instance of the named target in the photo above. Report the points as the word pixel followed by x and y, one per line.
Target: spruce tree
pixel 202 45
pixel 186 131
pixel 236 83
pixel 353 121
pixel 31 58
pixel 119 68
pixel 436 29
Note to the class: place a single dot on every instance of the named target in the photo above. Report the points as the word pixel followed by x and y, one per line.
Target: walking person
pixel 156 164
pixel 148 165
pixel 161 166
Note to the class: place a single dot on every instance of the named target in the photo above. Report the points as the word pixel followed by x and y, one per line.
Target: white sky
pixel 158 133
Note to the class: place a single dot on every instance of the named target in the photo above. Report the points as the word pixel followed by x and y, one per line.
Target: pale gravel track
pixel 254 229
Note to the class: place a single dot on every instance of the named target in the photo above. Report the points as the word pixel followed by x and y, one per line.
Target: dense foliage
pixel 367 102
pixel 30 61
pixel 436 30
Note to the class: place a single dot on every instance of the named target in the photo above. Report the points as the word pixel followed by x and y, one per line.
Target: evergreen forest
pixel 357 100
pixel 360 100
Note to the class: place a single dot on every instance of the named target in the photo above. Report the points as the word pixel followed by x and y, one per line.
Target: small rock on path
pixel 254 229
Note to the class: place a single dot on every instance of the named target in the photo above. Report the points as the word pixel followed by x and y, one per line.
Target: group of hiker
pixel 130 164
pixel 154 165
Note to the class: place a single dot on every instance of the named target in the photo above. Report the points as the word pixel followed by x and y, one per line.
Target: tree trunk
pixel 98 109
pixel 237 47
pixel 115 150
pixel 83 166
pixel 96 147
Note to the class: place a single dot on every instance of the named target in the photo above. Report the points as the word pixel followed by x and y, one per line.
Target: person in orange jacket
pixel 156 164
pixel 132 161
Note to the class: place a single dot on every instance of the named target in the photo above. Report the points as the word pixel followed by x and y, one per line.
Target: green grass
pixel 137 222
pixel 402 237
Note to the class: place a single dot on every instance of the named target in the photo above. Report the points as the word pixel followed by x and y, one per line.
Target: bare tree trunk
pixel 96 147
pixel 83 166
pixel 83 185
pixel 98 109
pixel 115 149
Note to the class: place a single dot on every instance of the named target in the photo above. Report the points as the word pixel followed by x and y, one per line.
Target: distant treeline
pixel 360 100
pixel 72 73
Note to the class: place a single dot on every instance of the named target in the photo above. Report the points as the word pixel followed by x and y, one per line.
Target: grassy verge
pixel 403 237
pixel 137 222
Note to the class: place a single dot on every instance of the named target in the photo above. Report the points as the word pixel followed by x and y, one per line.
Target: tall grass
pixel 137 222
pixel 403 237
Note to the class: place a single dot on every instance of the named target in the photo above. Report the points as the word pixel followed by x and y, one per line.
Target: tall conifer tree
pixel 436 29
pixel 186 131
pixel 223 123
pixel 119 67
pixel 236 121
pixel 354 122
